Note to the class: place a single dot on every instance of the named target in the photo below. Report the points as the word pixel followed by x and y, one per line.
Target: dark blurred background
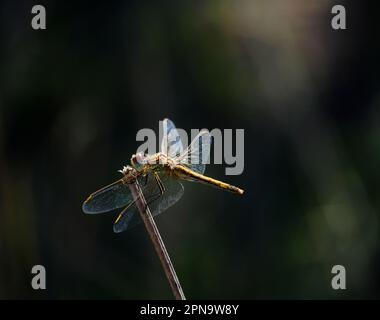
pixel 73 96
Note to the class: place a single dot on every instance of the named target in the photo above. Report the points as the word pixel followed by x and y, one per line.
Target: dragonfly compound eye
pixel 138 159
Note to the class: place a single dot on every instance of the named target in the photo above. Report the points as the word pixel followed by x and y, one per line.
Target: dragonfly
pixel 160 177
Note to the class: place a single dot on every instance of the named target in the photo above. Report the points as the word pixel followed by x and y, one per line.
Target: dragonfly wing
pixel 122 222
pixel 173 192
pixel 197 153
pixel 171 144
pixel 113 196
pixel 157 203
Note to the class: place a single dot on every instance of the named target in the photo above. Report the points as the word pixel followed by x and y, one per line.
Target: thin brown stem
pixel 155 237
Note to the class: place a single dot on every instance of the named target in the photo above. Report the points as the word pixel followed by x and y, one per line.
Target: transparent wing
pixel 157 203
pixel 171 144
pixel 123 221
pixel 113 196
pixel 173 192
pixel 124 218
pixel 197 154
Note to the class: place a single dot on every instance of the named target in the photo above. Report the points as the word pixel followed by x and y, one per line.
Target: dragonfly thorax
pixel 167 161
pixel 140 160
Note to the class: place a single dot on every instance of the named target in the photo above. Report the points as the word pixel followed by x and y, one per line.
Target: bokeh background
pixel 72 98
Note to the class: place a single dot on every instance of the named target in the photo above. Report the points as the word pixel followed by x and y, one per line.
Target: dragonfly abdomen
pixel 191 175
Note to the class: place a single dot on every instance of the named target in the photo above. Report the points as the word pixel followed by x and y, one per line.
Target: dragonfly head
pixel 138 159
pixel 127 170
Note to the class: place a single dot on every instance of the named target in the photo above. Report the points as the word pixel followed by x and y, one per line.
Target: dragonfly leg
pixel 153 197
pixel 146 181
pixel 161 191
pixel 159 183
pixel 149 199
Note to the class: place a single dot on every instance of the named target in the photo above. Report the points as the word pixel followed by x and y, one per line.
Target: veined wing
pixel 173 192
pixel 157 203
pixel 113 196
pixel 197 153
pixel 171 144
